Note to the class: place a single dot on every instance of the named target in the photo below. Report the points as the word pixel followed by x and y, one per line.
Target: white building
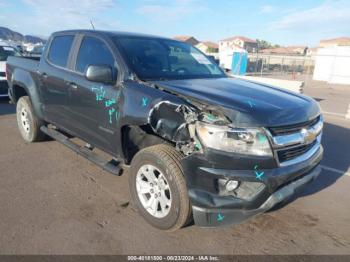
pixel 332 65
pixel 250 45
pixel 209 48
pixel 226 55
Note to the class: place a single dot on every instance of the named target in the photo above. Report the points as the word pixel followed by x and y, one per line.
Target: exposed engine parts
pixel 176 123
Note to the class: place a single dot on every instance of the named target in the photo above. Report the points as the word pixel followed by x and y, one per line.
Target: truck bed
pixel 29 64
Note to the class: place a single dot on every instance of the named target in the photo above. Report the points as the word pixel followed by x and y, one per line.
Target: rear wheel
pixel 158 188
pixel 28 123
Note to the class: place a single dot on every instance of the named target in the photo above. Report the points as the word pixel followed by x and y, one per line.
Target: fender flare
pixel 23 79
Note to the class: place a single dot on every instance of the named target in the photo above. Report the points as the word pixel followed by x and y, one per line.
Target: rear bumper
pixel 222 217
pixel 211 208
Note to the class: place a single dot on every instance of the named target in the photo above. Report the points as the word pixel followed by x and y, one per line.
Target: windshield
pixel 158 59
pixel 6 51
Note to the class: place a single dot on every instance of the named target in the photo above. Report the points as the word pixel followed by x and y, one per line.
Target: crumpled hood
pixel 246 103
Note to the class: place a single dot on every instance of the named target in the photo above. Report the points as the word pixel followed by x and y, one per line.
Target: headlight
pixel 249 141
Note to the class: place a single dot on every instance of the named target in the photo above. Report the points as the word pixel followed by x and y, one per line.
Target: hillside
pixel 8 34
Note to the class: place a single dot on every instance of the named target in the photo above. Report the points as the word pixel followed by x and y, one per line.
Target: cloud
pixel 45 17
pixel 4 4
pixel 329 16
pixel 267 9
pixel 81 7
pixel 169 12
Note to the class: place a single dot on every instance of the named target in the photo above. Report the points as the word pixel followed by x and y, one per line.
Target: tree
pixel 263 44
pixel 212 50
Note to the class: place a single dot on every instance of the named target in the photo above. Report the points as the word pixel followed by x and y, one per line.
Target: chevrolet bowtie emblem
pixel 308 135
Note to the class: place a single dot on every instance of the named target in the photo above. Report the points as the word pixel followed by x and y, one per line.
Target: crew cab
pixel 195 142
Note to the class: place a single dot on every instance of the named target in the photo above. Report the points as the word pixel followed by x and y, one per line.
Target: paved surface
pixel 333 98
pixel 53 201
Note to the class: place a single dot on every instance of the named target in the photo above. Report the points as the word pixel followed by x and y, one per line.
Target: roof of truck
pixel 109 33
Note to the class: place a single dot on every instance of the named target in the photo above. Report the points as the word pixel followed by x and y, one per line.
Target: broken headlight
pixel 249 141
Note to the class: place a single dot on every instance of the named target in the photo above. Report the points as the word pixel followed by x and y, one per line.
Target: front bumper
pixel 210 209
pixel 223 217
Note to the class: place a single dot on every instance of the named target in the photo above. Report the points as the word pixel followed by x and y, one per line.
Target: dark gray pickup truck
pixel 199 144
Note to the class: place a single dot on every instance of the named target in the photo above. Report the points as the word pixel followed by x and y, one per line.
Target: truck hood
pixel 245 103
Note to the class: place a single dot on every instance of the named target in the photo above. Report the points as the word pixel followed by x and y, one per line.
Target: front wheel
pixel 158 187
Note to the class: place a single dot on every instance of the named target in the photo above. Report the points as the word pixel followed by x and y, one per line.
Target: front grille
pixel 284 130
pixel 290 153
pixel 3 87
pixel 2 74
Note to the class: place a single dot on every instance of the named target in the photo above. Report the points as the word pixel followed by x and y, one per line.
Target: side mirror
pixel 99 73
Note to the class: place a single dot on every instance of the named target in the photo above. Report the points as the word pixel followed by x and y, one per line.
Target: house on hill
pixel 250 45
pixel 208 47
pixel 188 39
pixel 340 41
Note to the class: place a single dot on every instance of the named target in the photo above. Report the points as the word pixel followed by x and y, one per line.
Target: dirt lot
pixel 53 201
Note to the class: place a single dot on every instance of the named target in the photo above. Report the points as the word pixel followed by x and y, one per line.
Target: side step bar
pixel 111 166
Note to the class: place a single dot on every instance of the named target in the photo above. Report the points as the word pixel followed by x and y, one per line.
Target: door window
pixel 93 52
pixel 59 50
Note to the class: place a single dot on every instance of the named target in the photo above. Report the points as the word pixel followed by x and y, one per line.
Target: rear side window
pixel 59 50
pixel 93 52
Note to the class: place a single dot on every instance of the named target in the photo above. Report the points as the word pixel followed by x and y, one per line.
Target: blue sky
pixel 294 22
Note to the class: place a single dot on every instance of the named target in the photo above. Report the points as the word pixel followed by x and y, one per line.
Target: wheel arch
pixel 135 138
pixel 23 84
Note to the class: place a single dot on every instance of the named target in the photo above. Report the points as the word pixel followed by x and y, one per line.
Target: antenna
pixel 92 24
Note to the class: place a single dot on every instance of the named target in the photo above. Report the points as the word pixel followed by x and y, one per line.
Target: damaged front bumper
pixel 211 208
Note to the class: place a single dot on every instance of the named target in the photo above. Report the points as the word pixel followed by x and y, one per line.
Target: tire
pixel 164 160
pixel 28 124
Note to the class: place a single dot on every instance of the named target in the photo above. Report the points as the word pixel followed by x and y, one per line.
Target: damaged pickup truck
pixel 198 144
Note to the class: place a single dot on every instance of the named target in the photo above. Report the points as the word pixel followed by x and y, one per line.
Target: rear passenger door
pixel 53 72
pixel 94 108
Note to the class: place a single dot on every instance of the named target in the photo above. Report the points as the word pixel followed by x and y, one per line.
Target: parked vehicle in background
pixel 5 52
pixel 37 51
pixel 20 49
pixel 198 143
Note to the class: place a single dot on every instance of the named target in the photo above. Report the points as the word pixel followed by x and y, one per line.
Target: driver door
pixel 94 106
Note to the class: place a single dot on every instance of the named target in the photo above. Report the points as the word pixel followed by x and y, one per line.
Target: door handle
pixel 44 75
pixel 73 85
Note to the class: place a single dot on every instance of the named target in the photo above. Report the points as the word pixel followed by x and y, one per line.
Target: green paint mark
pixel 262 138
pixel 220 217
pixel 198 146
pixel 99 97
pixel 100 93
pixel 144 101
pixel 211 117
pixel 110 102
pixel 257 174
pixel 110 113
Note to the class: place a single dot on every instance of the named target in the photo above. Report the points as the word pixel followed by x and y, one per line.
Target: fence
pixel 269 64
